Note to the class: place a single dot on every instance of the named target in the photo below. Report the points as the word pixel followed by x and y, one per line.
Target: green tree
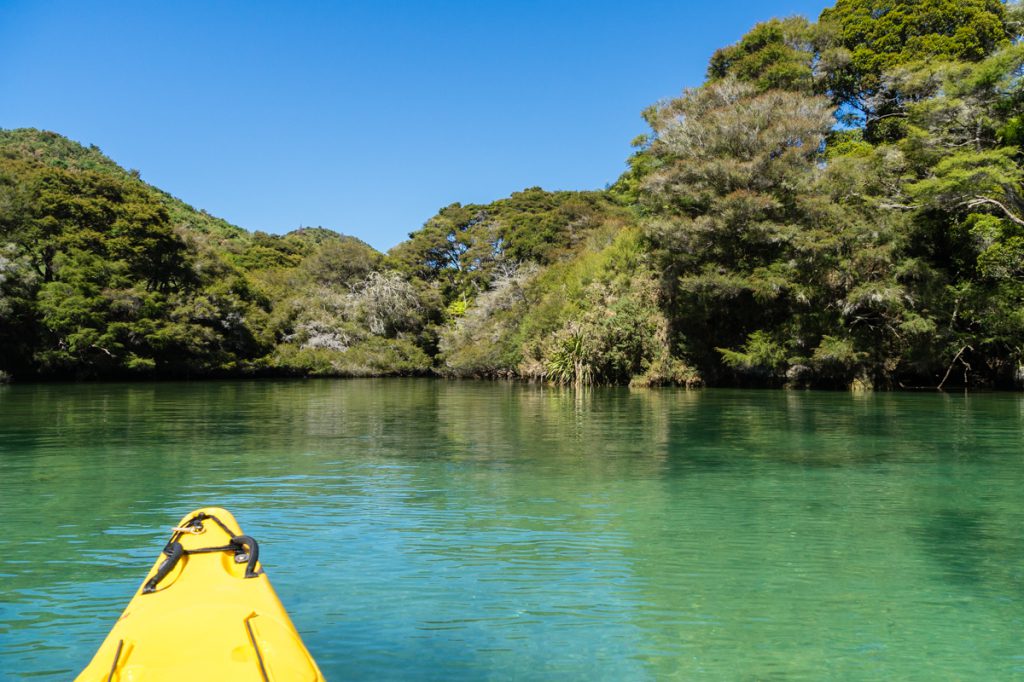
pixel 778 54
pixel 965 192
pixel 725 205
pixel 462 247
pixel 863 40
pixel 777 256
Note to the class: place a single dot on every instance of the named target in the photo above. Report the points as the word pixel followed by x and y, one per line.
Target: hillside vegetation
pixel 840 204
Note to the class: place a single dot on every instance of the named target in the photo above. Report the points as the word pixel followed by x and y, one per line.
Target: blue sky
pixel 362 117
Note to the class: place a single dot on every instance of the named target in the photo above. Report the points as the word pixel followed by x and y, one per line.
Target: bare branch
pixel 981 201
pixel 967 367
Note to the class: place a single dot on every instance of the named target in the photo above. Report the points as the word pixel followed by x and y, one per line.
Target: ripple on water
pixel 436 530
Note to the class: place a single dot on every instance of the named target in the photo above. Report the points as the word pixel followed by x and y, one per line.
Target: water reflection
pixel 460 530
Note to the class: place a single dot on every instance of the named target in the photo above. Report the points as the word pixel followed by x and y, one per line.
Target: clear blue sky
pixel 362 117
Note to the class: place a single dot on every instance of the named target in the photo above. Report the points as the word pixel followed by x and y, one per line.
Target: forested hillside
pixel 839 204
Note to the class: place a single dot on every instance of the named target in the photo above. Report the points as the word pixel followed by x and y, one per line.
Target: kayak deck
pixel 206 611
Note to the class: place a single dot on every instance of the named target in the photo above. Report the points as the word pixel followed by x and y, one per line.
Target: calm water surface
pixel 467 531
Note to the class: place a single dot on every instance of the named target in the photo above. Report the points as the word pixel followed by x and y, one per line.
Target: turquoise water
pixel 421 529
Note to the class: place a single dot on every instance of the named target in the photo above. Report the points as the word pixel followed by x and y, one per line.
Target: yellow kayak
pixel 206 611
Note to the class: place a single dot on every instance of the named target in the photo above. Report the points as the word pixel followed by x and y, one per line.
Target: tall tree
pixel 777 260
pixel 967 192
pixel 726 204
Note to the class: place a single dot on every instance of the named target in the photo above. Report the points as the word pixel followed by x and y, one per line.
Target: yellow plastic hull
pixel 204 619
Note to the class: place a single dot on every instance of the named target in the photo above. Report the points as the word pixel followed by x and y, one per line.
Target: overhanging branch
pixel 982 201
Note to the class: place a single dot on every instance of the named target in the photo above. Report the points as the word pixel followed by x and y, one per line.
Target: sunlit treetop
pixel 775 54
pixel 864 38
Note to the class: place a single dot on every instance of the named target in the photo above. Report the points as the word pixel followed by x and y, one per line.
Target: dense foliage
pixel 839 205
pixel 102 275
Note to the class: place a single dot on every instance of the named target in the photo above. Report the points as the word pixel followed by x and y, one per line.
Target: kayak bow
pixel 206 611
